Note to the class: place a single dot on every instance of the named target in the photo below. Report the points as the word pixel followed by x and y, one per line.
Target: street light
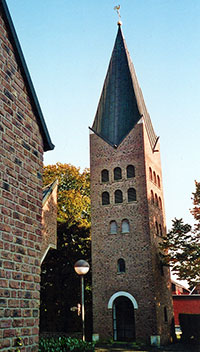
pixel 82 267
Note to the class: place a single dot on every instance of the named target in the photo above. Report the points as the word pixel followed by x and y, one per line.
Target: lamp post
pixel 82 267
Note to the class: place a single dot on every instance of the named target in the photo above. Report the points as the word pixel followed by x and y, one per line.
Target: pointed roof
pixel 25 73
pixel 47 190
pixel 121 104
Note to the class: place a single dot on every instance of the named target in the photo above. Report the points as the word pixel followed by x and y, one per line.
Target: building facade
pixel 23 139
pixel 131 289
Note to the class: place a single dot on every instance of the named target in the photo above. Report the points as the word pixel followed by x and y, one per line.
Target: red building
pixel 184 301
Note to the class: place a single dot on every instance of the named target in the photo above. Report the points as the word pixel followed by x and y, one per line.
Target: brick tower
pixel 131 289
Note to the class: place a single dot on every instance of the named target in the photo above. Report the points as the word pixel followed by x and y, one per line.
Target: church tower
pixel 131 289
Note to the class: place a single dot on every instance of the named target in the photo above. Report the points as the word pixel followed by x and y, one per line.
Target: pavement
pixel 178 347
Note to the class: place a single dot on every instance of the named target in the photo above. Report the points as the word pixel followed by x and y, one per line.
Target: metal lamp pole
pixel 82 267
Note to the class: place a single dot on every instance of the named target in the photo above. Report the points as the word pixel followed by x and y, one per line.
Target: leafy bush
pixel 64 344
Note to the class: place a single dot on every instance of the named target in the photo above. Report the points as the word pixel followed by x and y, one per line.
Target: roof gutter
pixel 48 145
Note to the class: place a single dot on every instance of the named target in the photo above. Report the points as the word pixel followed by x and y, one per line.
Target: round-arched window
pixel 117 173
pixel 104 175
pixel 131 195
pixel 150 174
pixel 125 226
pixel 121 267
pixel 105 198
pixel 130 171
pixel 113 227
pixel 118 196
pixel 156 199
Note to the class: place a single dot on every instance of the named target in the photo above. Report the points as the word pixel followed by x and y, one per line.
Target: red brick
pixel 20 203
pixel 5 323
pixel 5 343
pixel 9 333
pixel 14 284
pixel 142 279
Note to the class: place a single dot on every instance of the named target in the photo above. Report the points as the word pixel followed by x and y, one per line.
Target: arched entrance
pixel 123 305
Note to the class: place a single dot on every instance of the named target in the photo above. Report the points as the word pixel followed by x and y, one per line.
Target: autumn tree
pixel 73 193
pixel 196 209
pixel 181 246
pixel 59 282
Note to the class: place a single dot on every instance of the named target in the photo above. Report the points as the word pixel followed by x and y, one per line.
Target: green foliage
pixel 196 209
pixel 60 285
pixel 73 193
pixel 64 344
pixel 19 341
pixel 181 247
pixel 181 250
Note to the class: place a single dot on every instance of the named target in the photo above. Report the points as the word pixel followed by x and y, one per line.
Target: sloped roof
pixel 25 73
pixel 47 190
pixel 121 104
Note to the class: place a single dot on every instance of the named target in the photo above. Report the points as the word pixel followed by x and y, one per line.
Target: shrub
pixel 64 344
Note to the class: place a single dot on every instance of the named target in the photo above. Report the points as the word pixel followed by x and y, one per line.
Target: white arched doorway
pixel 123 305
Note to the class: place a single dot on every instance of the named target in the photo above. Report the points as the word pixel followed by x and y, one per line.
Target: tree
pixel 196 209
pixel 181 246
pixel 73 193
pixel 60 285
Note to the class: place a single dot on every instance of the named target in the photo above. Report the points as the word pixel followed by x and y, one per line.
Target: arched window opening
pixel 113 227
pixel 117 173
pixel 125 226
pixel 118 196
pixel 131 195
pixel 156 199
pixel 130 171
pixel 121 267
pixel 158 181
pixel 150 174
pixel 105 198
pixel 160 203
pixel 165 315
pixel 152 197
pixel 157 229
pixel 154 177
pixel 160 229
pixel 104 175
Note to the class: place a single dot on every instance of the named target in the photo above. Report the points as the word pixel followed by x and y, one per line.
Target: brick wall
pixel 21 162
pixel 156 213
pixel 189 304
pixel 49 220
pixel 139 248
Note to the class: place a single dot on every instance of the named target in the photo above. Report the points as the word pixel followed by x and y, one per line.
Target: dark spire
pixel 121 103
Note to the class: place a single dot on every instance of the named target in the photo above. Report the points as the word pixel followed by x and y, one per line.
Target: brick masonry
pixel 21 164
pixel 143 279
pixel 49 221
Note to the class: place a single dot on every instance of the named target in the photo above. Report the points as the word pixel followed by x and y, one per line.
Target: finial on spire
pixel 117 8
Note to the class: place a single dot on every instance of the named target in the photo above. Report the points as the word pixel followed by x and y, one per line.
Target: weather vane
pixel 117 9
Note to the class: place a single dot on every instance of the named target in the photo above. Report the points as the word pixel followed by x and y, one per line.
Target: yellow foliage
pixel 73 193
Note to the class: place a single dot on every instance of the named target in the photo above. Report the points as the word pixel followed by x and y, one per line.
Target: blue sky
pixel 67 45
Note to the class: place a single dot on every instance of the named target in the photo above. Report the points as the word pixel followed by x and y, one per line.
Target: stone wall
pixel 21 163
